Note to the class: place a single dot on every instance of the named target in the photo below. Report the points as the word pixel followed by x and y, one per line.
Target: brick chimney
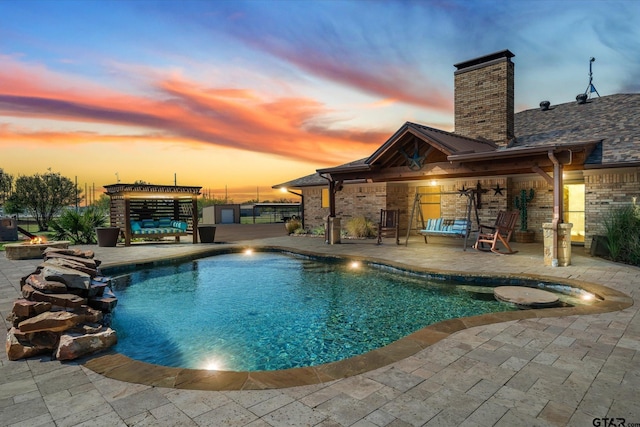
pixel 484 97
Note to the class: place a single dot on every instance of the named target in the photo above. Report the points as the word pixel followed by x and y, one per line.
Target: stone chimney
pixel 484 98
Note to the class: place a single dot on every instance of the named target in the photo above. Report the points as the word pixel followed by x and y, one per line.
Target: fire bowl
pixel 28 250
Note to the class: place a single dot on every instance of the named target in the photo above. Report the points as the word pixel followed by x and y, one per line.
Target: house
pixel 581 158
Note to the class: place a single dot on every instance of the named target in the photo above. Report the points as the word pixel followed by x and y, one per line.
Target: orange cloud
pixel 182 111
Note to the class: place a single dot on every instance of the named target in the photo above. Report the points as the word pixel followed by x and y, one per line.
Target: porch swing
pixel 444 227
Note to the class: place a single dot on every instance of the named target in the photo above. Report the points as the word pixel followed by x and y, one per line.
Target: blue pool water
pixel 270 310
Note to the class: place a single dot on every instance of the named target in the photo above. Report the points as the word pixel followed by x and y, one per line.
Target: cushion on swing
pixel 444 227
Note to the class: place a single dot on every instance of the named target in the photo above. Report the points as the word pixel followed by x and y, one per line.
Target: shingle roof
pixel 312 180
pixel 614 119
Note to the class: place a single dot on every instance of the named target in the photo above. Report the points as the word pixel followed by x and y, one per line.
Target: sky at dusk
pixel 238 96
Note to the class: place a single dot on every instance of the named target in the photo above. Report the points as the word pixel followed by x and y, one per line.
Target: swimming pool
pixel 271 310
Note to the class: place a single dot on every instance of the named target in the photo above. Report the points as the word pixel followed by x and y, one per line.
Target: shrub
pixel 360 227
pixel 79 228
pixel 318 231
pixel 292 225
pixel 622 228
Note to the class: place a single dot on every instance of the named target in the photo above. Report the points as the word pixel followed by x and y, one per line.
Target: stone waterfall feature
pixel 64 310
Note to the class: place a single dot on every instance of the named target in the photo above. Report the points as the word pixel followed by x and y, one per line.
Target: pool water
pixel 270 310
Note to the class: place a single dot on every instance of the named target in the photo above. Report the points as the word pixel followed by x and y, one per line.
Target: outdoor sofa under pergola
pixel 167 210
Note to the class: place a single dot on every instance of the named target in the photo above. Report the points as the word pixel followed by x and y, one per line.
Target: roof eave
pixel 518 152
pixel 339 169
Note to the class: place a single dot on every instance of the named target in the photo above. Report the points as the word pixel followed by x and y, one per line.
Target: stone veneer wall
pixel 604 190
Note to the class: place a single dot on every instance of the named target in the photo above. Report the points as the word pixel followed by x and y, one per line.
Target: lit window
pixel 325 197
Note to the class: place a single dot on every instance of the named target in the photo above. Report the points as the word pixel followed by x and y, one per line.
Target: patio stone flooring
pixel 534 370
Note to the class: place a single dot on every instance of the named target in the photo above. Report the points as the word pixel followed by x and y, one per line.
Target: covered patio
pixel 443 159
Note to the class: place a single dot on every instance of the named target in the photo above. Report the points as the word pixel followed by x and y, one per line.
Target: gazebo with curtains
pixel 136 202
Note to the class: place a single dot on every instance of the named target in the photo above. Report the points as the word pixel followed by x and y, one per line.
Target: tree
pixel 6 184
pixel 103 203
pixel 12 207
pixel 43 196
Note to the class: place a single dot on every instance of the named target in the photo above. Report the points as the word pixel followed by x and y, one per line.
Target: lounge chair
pixel 500 232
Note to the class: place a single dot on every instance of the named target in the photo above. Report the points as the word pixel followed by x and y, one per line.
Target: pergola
pixel 144 201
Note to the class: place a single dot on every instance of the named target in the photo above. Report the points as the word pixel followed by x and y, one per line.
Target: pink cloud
pixel 183 111
pixel 399 82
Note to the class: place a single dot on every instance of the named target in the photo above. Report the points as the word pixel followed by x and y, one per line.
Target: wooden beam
pixel 543 174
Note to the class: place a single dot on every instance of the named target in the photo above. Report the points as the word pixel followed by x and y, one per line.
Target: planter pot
pixel 599 246
pixel 107 236
pixel 207 233
pixel 527 236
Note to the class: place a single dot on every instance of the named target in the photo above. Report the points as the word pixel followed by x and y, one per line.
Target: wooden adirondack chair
pixel 500 232
pixel 389 225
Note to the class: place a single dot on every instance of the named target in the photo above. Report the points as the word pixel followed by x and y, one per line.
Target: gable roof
pixel 607 129
pixel 446 142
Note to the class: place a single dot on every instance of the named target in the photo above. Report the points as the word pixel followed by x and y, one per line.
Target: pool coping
pixel 117 366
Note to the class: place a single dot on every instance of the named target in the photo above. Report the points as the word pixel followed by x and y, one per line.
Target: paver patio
pixel 536 371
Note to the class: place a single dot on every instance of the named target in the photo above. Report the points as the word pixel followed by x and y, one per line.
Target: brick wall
pixel 356 200
pixel 540 209
pixel 453 205
pixel 314 213
pixel 604 190
pixel 484 101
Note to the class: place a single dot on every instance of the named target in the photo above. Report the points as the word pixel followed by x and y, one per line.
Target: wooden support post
pixel 194 210
pixel 127 222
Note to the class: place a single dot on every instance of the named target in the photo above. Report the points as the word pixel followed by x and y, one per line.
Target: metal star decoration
pixel 498 190
pixel 415 161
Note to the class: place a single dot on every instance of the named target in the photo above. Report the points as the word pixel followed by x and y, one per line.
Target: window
pixel 429 201
pixel 325 198
pixel 573 210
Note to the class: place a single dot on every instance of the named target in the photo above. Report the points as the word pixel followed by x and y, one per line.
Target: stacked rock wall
pixel 64 310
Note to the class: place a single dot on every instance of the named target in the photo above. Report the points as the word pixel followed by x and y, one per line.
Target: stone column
pixel 564 244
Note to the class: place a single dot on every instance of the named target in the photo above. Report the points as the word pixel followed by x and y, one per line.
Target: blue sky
pixel 250 94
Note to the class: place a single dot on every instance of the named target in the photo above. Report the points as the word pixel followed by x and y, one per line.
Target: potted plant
pixel 524 235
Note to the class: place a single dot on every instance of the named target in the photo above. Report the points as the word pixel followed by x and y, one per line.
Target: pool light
pixel 587 296
pixel 212 364
pixel 248 251
pixel 355 264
